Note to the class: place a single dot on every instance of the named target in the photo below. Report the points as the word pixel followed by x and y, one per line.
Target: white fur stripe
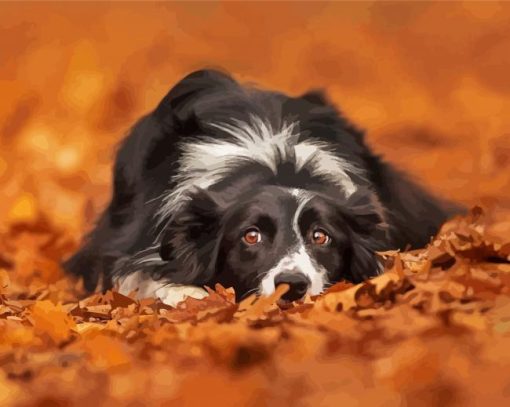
pixel 302 198
pixel 206 162
pixel 298 261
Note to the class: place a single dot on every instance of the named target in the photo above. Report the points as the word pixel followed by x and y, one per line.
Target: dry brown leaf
pixel 51 320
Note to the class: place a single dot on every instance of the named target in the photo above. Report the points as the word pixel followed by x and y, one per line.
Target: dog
pixel 227 183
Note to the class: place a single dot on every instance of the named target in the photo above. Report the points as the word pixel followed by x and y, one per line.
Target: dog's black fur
pixel 199 242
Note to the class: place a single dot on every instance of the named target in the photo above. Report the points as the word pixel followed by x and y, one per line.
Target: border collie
pixel 230 184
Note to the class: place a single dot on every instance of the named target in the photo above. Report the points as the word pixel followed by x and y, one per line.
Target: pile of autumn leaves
pixel 433 330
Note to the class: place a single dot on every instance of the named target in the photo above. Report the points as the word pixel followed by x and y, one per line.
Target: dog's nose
pixel 298 285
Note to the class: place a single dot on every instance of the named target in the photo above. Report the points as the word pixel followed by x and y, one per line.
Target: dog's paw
pixel 146 287
pixel 172 294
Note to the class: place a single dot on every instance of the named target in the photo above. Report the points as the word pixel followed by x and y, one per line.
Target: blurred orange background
pixel 429 82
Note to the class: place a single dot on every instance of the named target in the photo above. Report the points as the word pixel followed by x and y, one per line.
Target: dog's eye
pixel 252 236
pixel 319 237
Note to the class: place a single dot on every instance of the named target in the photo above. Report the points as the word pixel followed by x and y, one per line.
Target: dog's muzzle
pixel 298 284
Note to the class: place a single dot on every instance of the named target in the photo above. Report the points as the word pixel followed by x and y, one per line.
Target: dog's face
pixel 275 235
pixel 281 235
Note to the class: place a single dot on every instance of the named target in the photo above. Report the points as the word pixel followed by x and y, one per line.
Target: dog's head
pixel 271 235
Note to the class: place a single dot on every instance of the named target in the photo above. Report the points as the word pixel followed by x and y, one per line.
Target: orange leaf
pixel 50 319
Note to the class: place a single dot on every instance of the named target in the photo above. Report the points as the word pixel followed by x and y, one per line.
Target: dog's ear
pixel 363 260
pixel 365 214
pixel 179 113
pixel 369 232
pixel 191 239
pixel 178 103
pixel 193 223
pixel 316 96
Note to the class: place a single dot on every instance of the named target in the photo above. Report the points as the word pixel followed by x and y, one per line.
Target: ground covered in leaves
pixel 429 83
pixel 433 330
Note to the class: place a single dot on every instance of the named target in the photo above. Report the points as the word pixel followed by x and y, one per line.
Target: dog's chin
pixel 286 304
pixel 282 303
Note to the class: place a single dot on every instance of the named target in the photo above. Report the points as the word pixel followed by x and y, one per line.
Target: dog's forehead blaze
pixel 272 202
